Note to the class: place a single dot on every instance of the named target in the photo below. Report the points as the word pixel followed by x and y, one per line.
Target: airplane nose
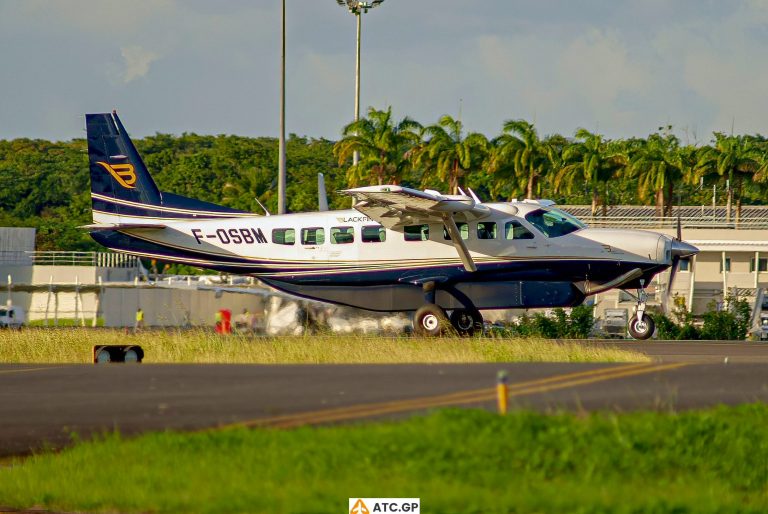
pixel 683 249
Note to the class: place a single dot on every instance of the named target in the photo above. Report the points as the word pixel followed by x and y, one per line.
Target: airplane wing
pixel 397 206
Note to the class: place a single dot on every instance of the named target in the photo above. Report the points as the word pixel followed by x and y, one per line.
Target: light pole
pixel 358 8
pixel 281 149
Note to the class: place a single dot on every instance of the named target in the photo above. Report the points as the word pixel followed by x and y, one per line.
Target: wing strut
pixel 458 242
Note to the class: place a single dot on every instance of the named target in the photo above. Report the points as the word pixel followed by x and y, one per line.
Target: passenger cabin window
pixel 553 222
pixel 283 236
pixel 486 230
pixel 374 234
pixel 416 232
pixel 342 235
pixel 312 236
pixel 463 230
pixel 515 230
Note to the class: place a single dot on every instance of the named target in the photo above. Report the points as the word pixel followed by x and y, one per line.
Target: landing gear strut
pixel 641 325
pixel 431 320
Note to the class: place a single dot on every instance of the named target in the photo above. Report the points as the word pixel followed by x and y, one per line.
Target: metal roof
pixel 752 216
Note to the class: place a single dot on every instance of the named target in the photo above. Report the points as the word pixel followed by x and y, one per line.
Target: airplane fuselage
pixel 329 255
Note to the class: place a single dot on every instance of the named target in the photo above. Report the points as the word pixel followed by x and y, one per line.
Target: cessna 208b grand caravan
pixel 446 257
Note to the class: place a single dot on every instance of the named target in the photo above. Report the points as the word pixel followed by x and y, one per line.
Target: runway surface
pixel 45 404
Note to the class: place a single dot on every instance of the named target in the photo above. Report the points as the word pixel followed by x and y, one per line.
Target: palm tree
pixel 591 160
pixel 447 154
pixel 381 144
pixel 654 162
pixel 519 154
pixel 735 158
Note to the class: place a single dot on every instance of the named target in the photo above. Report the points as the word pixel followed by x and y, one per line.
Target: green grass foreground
pixel 454 460
pixel 73 345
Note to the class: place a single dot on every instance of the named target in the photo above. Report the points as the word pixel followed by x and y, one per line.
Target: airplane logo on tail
pixel 123 173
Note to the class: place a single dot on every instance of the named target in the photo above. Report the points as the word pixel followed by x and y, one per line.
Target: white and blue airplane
pixel 444 257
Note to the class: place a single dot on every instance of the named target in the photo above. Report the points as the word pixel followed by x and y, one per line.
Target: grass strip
pixel 73 345
pixel 456 460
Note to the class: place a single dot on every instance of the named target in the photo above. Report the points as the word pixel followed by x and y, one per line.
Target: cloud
pixel 88 16
pixel 137 61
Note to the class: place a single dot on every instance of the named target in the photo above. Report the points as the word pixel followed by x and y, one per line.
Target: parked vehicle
pixel 12 317
pixel 615 322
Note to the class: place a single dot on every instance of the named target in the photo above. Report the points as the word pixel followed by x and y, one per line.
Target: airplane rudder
pixel 116 168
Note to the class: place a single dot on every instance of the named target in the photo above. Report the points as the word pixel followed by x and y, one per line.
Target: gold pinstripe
pixel 139 205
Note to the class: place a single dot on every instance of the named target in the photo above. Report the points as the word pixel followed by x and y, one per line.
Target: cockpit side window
pixel 553 222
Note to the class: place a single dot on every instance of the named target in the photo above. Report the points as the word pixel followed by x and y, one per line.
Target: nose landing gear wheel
pixel 641 328
pixel 466 321
pixel 430 320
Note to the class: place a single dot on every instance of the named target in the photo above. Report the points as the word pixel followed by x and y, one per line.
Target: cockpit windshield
pixel 553 222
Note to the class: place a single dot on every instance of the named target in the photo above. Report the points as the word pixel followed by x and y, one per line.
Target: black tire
pixel 430 320
pixel 104 356
pixel 466 321
pixel 641 329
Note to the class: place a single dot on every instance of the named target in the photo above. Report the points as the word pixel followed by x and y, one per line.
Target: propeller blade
pixel 679 227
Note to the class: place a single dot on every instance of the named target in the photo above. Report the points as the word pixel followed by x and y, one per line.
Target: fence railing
pixel 671 222
pixel 53 258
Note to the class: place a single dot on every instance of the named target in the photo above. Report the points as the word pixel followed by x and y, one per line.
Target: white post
pixel 77 295
pixel 99 294
pixel 48 300
pixel 757 270
pixel 725 279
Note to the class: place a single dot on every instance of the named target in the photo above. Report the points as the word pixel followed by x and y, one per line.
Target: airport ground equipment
pixel 106 353
pixel 615 322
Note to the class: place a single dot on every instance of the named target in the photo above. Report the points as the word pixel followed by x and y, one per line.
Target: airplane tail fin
pixel 121 186
pixel 117 171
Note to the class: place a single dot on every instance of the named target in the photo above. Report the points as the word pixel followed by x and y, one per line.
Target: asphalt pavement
pixel 49 405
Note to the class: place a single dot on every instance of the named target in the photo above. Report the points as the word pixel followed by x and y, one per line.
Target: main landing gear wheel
pixel 466 321
pixel 430 320
pixel 641 328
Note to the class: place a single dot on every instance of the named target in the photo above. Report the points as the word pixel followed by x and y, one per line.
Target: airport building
pixel 53 288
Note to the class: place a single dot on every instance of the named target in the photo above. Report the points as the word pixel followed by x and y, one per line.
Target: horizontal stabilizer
pixel 120 226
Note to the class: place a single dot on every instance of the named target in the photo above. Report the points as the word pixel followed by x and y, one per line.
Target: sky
pixel 622 68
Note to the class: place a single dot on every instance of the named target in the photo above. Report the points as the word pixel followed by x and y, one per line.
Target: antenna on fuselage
pixel 322 196
pixel 473 195
pixel 266 212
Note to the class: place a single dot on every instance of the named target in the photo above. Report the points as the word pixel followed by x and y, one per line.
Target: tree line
pixel 46 184
pixel 585 168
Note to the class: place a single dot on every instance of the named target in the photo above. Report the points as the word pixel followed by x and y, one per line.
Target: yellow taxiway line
pixel 6 371
pixel 458 398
